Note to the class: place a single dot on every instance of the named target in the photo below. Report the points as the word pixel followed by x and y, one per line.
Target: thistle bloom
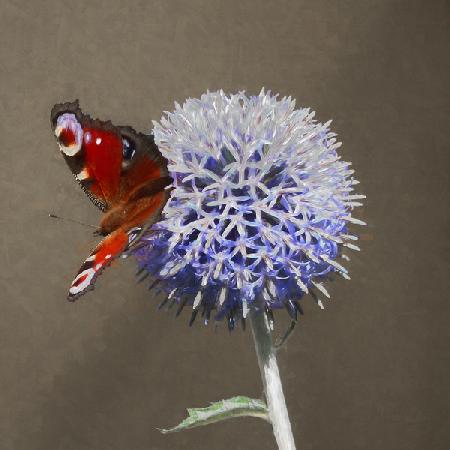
pixel 260 209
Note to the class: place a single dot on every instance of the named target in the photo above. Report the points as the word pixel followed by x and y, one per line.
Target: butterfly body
pixel 121 171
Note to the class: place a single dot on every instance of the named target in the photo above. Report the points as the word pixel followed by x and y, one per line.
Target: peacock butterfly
pixel 122 172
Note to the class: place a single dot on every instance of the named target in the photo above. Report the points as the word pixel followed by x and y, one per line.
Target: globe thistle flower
pixel 260 209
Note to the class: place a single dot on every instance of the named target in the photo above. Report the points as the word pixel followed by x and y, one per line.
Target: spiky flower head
pixel 260 207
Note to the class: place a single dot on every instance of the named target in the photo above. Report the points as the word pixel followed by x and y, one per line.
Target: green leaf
pixel 239 406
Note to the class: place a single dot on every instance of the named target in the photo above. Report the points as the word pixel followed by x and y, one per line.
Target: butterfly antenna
pixel 54 216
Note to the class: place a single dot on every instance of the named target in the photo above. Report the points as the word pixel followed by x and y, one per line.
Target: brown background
pixel 371 372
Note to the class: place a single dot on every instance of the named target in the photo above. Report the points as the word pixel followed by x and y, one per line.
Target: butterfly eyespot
pixel 128 149
pixel 69 134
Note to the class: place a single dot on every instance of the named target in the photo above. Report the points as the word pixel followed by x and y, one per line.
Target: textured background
pixel 371 371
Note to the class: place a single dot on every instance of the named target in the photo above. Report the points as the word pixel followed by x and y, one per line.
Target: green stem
pixel 270 375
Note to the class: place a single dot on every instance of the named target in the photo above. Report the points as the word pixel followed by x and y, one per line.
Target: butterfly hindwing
pixel 106 251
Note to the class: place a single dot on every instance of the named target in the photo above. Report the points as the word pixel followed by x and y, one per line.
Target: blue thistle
pixel 260 208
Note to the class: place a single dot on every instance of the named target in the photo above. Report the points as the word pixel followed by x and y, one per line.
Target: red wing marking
pixel 103 159
pixel 67 137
